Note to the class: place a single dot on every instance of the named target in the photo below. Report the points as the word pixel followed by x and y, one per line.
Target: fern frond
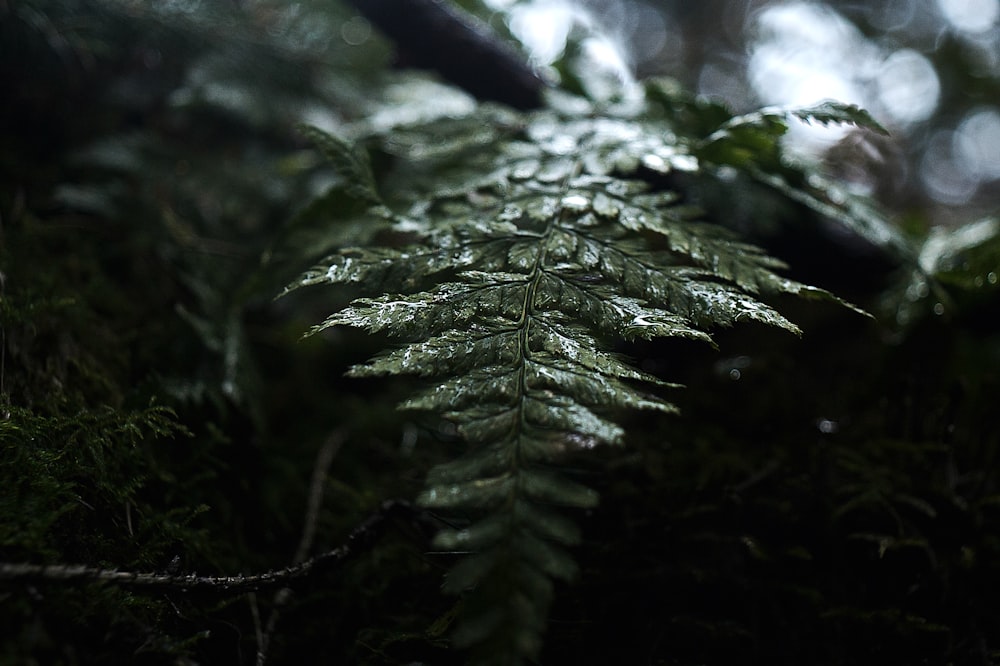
pixel 351 162
pixel 519 276
pixel 750 144
pixel 828 112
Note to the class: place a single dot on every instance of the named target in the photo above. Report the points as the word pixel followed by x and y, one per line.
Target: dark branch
pixel 358 542
pixel 437 36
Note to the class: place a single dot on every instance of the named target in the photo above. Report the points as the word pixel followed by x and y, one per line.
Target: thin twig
pixel 255 615
pixel 359 540
pixel 321 469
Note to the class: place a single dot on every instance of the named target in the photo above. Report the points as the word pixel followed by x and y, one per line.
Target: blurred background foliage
pixel 830 500
pixel 927 70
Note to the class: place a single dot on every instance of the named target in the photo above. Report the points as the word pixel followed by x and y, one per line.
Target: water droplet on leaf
pixel 684 162
pixel 576 203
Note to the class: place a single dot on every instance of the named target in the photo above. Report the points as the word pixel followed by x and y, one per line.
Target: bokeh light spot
pixel 977 144
pixel 974 16
pixel 356 31
pixel 908 86
pixel 805 53
pixel 942 174
pixel 543 28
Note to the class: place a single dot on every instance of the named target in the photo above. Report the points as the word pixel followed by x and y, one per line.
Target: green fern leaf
pixel 351 163
pixel 750 144
pixel 832 112
pixel 524 263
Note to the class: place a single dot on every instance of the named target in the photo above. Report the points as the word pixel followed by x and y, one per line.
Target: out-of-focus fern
pixel 538 242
